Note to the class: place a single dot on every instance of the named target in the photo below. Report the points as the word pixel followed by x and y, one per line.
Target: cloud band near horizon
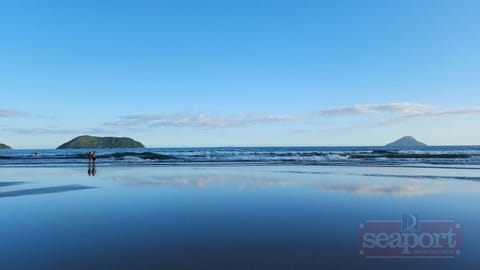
pixel 395 111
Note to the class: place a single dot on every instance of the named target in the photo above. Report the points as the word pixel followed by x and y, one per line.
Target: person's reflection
pixel 91 170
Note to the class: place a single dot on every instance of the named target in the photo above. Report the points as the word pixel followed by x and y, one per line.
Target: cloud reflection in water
pixel 360 185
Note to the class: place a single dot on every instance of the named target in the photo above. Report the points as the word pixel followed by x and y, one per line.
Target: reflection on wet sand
pixel 434 177
pixel 381 187
pixel 92 170
pixel 390 190
pixel 44 190
pixel 201 181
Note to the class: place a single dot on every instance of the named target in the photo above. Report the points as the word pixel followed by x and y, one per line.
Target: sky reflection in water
pixel 223 217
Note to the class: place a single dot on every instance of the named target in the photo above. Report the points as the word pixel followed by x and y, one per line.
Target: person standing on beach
pixel 89 158
pixel 94 157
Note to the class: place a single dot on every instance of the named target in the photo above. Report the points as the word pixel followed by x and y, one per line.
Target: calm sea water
pixel 202 215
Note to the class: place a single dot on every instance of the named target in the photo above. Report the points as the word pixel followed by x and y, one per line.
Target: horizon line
pixel 253 146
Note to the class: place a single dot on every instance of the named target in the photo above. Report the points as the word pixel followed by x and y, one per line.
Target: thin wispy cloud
pixel 428 114
pixel 55 130
pixel 393 113
pixel 404 108
pixel 200 120
pixel 10 113
pixel 254 118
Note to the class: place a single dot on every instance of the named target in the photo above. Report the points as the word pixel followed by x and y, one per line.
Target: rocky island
pixel 407 141
pixel 101 142
pixel 4 147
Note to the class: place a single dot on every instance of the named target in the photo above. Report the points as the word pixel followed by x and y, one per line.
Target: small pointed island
pixel 4 147
pixel 86 141
pixel 407 141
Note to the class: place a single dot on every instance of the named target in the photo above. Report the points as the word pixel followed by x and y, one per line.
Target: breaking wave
pixel 348 156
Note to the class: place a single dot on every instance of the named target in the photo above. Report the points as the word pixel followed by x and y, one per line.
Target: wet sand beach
pixel 223 217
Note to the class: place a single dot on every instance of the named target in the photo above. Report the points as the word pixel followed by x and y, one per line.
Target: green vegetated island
pixel 101 142
pixel 4 146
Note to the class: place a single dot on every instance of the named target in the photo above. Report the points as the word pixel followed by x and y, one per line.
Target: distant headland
pixel 101 142
pixel 407 141
pixel 4 146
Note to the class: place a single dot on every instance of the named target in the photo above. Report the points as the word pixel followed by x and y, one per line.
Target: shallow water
pixel 224 217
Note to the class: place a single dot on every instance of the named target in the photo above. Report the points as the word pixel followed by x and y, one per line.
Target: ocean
pixel 343 156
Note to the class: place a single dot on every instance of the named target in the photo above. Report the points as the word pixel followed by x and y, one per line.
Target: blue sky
pixel 223 73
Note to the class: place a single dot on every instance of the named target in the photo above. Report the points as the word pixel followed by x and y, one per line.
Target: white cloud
pixel 428 114
pixel 55 130
pixel 12 113
pixel 200 120
pixel 394 113
pixel 405 108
